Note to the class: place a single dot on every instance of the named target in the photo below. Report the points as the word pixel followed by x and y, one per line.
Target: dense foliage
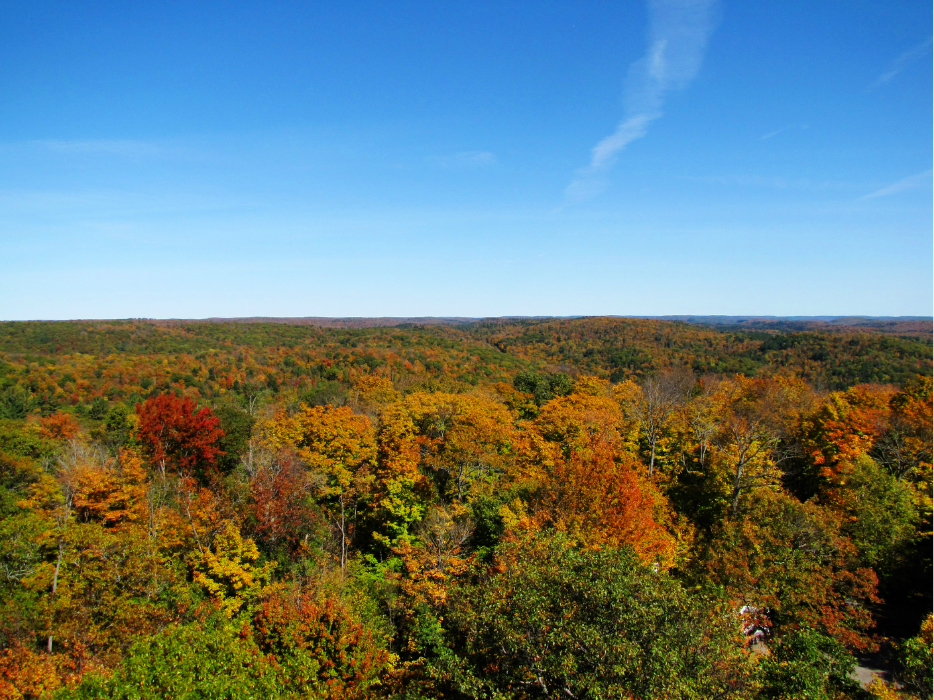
pixel 583 508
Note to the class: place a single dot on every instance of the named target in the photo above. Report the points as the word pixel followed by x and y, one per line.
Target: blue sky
pixel 465 159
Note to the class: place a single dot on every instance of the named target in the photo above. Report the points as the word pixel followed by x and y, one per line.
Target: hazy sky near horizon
pixel 195 159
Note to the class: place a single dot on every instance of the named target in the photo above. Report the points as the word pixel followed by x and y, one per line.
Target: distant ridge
pixel 372 321
pixel 840 320
pixel 352 321
pixel 918 326
pixel 915 326
pixel 348 322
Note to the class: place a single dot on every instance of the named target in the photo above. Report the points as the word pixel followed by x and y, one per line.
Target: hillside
pixel 408 510
pixel 127 360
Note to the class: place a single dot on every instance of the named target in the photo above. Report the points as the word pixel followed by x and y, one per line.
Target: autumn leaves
pixel 528 539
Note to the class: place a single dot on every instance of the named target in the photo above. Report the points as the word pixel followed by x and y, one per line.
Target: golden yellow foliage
pixel 228 573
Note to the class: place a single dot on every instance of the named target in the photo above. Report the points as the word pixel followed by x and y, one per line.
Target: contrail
pixel 909 183
pixel 902 62
pixel 677 39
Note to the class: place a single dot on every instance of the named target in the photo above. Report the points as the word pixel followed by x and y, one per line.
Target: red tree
pixel 322 648
pixel 176 436
pixel 279 501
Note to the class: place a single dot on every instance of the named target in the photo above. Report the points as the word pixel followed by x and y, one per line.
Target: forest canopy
pixel 540 508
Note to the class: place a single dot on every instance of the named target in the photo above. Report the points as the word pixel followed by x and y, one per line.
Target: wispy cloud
pixel 902 62
pixel 769 135
pixel 775 182
pixel 467 159
pixel 103 147
pixel 909 183
pixel 677 40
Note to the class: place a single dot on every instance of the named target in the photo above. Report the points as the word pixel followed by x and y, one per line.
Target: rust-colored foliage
pixel 789 560
pixel 437 556
pixel 177 436
pixel 905 446
pixel 323 650
pixel 280 494
pixel 25 673
pixel 588 484
pixel 893 427
pixel 428 465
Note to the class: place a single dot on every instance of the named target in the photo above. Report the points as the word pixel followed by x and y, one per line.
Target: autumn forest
pixel 511 508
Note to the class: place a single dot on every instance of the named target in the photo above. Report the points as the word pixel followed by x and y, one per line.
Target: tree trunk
pixel 343 536
pixel 737 487
pixel 58 566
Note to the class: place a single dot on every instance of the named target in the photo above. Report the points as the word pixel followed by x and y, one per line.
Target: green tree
pixel 544 387
pixel 237 425
pixel 118 428
pixel 880 513
pixel 549 620
pixel 206 661
pixel 807 665
pixel 15 402
pixel 915 661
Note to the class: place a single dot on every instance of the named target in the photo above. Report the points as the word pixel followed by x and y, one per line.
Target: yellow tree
pixel 340 445
pixel 844 426
pixel 467 439
pixel 905 444
pixel 579 422
pixel 337 444
pixel 227 571
pixel 372 392
pixel 756 416
pixel 652 404
pixel 105 574
pixel 53 496
pixel 455 445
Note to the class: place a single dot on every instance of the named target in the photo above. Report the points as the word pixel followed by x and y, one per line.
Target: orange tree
pixel 581 478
